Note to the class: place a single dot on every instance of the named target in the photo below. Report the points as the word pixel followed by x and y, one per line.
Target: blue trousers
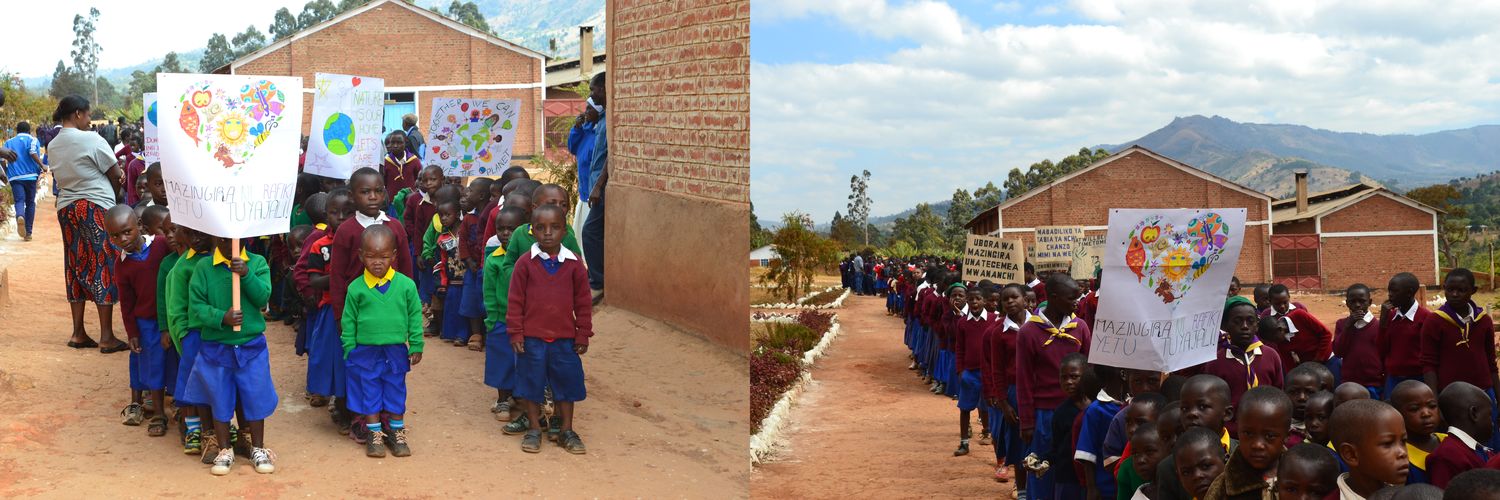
pixel 593 243
pixel 25 194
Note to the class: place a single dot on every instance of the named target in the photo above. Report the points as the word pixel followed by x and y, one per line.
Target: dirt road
pixel 867 427
pixel 665 416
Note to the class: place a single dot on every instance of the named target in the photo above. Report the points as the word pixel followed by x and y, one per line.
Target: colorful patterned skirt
pixel 89 259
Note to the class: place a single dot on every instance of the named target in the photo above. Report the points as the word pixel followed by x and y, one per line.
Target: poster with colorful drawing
pixel 347 118
pixel 472 136
pixel 152 151
pixel 1086 256
pixel 1166 273
pixel 230 160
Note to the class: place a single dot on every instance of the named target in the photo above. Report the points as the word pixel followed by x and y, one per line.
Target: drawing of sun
pixel 232 129
pixel 1177 264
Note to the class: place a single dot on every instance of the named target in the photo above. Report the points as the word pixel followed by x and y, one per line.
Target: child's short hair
pixel 1058 283
pixel 447 192
pixel 1269 326
pixel 1197 436
pixel 483 183
pixel 1314 457
pixel 1356 286
pixel 338 192
pixel 1420 491
pixel 1474 483
pixel 378 233
pixel 1171 387
pixel 526 186
pixel 365 172
pixel 300 232
pixel 1266 395
pixel 516 212
pixel 1149 400
pixel 396 133
pixel 154 215
pixel 152 169
pixel 1278 289
pixel 1460 273
pixel 1318 371
pixel 1029 267
pixel 560 212
pixel 1351 419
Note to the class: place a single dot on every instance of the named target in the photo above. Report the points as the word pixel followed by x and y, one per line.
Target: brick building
pixel 679 144
pixel 420 54
pixel 1133 178
pixel 1355 234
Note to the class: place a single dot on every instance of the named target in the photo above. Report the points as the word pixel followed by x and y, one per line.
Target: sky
pixel 932 96
pixel 129 32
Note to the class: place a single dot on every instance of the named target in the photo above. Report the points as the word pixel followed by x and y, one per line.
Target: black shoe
pixel 554 428
pixel 518 426
pixel 963 449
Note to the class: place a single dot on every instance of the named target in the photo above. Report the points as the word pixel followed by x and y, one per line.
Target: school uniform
pixel 1455 455
pixel 442 246
pixel 233 368
pixel 419 213
pixel 471 250
pixel 135 276
pixel 1254 366
pixel 325 360
pixel 1127 482
pixel 1354 343
pixel 1398 342
pixel 300 284
pixel 1062 476
pixel 171 360
pixel 499 356
pixel 183 327
pixel 550 311
pixel 344 264
pixel 399 172
pixel 382 327
pixel 1307 338
pixel 968 346
pixel 1169 486
pixel 1038 288
pixel 1040 347
pixel 949 366
pixel 1417 473
pixel 487 219
pixel 1096 421
pixel 1460 348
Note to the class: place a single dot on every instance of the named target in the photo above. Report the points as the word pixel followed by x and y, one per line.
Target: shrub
pixel 815 321
pixel 791 337
pixel 772 372
pixel 823 298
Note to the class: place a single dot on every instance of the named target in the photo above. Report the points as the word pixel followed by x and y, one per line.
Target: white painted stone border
pixel 798 305
pixel 771 427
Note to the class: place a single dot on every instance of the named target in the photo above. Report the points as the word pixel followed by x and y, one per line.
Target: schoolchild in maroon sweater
pixel 420 206
pixel 368 195
pixel 1040 346
pixel 1308 339
pixel 1244 362
pixel 1035 283
pixel 968 348
pixel 1458 339
pixel 550 322
pixel 947 325
pixel 399 167
pixel 1466 409
pixel 1354 341
pixel 497 195
pixel 1005 423
pixel 135 274
pixel 1399 339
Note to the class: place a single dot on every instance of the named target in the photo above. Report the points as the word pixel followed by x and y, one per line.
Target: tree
pixel 960 210
pixel 923 229
pixel 345 5
pixel 759 236
pixel 66 81
pixel 249 41
pixel 170 64
pixel 23 104
pixel 468 13
pixel 85 49
pixel 987 197
pixel 801 253
pixel 552 46
pixel 1452 225
pixel 284 25
pixel 844 231
pixel 109 97
pixel 217 54
pixel 316 12
pixel 859 201
pixel 1044 172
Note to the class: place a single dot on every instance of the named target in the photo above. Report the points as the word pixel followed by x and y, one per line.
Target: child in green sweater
pixel 233 369
pixel 185 338
pixel 382 340
pixel 499 358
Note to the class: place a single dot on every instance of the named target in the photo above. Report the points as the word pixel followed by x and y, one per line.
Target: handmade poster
pixel 992 258
pixel 230 158
pixel 470 137
pixel 1054 247
pixel 1086 255
pixel 1165 272
pixel 347 118
pixel 152 151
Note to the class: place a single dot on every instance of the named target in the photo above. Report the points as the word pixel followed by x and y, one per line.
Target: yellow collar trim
pixel 372 282
pixel 190 253
pixel 500 250
pixel 321 226
pixel 437 222
pixel 219 257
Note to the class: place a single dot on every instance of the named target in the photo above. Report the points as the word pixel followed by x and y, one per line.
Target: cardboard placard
pixel 348 114
pixel 993 258
pixel 1087 251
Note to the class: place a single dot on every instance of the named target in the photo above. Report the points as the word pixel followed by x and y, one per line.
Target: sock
pixel 964 441
pixel 374 428
pixel 194 424
pixel 397 425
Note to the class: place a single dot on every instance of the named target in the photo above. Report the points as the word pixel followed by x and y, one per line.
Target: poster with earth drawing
pixel 470 137
pixel 348 114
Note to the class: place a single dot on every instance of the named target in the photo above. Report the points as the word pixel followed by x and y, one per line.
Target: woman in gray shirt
pixel 84 168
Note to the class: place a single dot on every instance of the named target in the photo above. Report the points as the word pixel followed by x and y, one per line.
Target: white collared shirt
pixel 1034 282
pixel 1345 492
pixel 367 221
pixel 1291 328
pixel 1410 313
pixel 124 255
pixel 562 253
pixel 1011 324
pixel 1464 437
pixel 1367 319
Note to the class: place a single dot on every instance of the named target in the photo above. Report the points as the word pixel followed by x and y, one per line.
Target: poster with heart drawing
pixel 229 147
pixel 348 113
pixel 1166 273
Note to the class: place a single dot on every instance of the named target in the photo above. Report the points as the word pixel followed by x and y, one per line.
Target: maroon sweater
pixel 487 223
pixel 968 342
pixel 1472 362
pixel 136 280
pixel 417 217
pixel 1038 362
pixel 399 172
pixel 470 246
pixel 1312 342
pixel 1002 357
pixel 1361 355
pixel 344 263
pixel 1451 458
pixel 1265 369
pixel 1399 343
pixel 549 306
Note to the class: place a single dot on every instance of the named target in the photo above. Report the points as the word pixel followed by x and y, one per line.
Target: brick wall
pixel 679 144
pixel 1372 260
pixel 1377 213
pixel 1300 227
pixel 407 49
pixel 1138 180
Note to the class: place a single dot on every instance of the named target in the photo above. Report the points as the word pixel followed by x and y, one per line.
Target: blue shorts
pixel 454 326
pixel 549 364
pixel 229 376
pixel 325 354
pixel 190 344
pixel 970 390
pixel 499 359
pixel 148 368
pixel 473 306
pixel 169 369
pixel 426 284
pixel 377 378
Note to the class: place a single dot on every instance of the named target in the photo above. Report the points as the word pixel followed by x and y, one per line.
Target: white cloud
pixel 970 102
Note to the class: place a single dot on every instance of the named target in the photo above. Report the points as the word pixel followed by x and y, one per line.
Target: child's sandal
pixel 476 343
pixel 157 426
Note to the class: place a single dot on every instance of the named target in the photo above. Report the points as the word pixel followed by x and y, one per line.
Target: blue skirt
pixel 325 360
pixel 377 378
pixel 426 284
pixel 1007 435
pixel 190 344
pixel 473 306
pixel 499 359
pixel 455 327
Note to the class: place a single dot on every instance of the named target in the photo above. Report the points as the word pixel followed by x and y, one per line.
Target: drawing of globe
pixel 338 134
pixel 151 114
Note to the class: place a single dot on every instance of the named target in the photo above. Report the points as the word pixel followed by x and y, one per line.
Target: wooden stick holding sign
pixel 234 278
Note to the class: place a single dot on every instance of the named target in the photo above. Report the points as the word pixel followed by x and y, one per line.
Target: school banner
pixel 347 118
pixel 1086 255
pixel 230 161
pixel 152 151
pixel 470 137
pixel 992 258
pixel 1054 247
pixel 1165 273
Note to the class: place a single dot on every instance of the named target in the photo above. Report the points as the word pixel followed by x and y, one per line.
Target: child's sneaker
pixel 192 443
pixel 532 441
pixel 963 449
pixel 133 414
pixel 210 448
pixel 984 438
pixel 501 410
pixel 570 441
pixel 520 425
pixel 375 446
pixel 398 443
pixel 223 462
pixel 359 433
pixel 264 460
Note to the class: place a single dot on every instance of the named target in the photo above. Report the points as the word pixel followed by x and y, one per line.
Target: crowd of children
pixel 1395 403
pixel 369 269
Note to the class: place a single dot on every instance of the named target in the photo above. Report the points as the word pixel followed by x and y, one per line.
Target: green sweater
pixel 374 318
pixel 177 297
pixel 299 216
pixel 161 289
pixel 520 244
pixel 495 301
pixel 209 298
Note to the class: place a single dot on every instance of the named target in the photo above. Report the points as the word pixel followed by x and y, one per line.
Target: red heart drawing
pixel 356 81
pixel 436 149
